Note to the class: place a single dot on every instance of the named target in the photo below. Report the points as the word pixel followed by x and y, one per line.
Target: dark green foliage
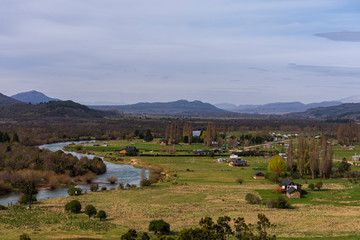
pixel 15 138
pixel 280 202
pixel 145 236
pixel 94 187
pixel 129 235
pixel 103 188
pixel 90 210
pixel 121 186
pixel 159 227
pixel 344 166
pixel 5 137
pixel 318 185
pixel 73 206
pixel 251 198
pixel 145 182
pixel 240 181
pixel 163 237
pixel 273 177
pixel 311 186
pixel 148 136
pixel 24 199
pixel 29 188
pixel 101 215
pixel 73 191
pixel 25 236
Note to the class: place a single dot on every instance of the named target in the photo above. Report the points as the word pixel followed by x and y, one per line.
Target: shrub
pixel 129 235
pixel 24 200
pixel 280 202
pixel 112 180
pixel 145 182
pixel 311 186
pixel 5 187
pixel 2 207
pixel 88 177
pixel 145 236
pixel 159 227
pixel 94 187
pixel 319 185
pixel 90 210
pixel 121 186
pixel 73 206
pixel 103 188
pixel 273 177
pixel 73 191
pixel 240 180
pixel 25 236
pixel 101 215
pixel 251 198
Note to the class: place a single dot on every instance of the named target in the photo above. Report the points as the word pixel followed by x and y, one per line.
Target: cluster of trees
pixel 74 206
pixel 148 137
pixel 4 137
pixel 348 133
pixel 224 228
pixel 309 157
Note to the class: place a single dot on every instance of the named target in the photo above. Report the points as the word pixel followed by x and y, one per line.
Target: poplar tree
pixel 290 156
pixel 314 158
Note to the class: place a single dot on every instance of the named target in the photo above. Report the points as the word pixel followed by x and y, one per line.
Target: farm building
pixel 163 142
pixel 259 175
pixel 237 163
pixel 268 146
pixel 129 149
pixel 356 158
pixel 289 188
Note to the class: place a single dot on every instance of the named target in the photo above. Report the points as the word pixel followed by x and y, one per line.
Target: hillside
pixel 5 100
pixel 33 97
pixel 180 107
pixel 347 111
pixel 67 109
pixel 278 108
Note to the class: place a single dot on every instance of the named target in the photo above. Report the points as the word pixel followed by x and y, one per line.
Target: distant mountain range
pixel 33 97
pixel 62 109
pixel 51 107
pixel 275 108
pixel 180 107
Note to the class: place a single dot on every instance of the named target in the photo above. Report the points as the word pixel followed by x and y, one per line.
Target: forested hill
pixel 68 109
pixel 347 111
pixel 180 107
pixel 5 100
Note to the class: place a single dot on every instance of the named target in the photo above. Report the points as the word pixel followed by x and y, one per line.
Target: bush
pixel 121 186
pixel 73 191
pixel 24 200
pixel 273 177
pixel 101 215
pixel 280 202
pixel 129 235
pixel 159 227
pixel 112 180
pixel 145 182
pixel 90 210
pixel 94 187
pixel 145 236
pixel 2 207
pixel 25 236
pixel 103 188
pixel 5 187
pixel 251 198
pixel 73 206
pixel 319 185
pixel 311 186
pixel 240 180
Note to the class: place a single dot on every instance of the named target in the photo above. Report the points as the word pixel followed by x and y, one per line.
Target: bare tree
pixel 290 156
pixel 314 157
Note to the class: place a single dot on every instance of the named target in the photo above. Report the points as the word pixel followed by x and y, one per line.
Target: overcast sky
pixel 235 51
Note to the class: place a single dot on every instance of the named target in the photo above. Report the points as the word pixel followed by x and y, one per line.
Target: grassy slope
pixel 208 189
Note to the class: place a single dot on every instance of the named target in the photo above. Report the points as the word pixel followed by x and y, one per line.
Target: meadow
pixel 195 187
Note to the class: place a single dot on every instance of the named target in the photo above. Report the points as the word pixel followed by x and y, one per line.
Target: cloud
pixel 328 70
pixel 344 36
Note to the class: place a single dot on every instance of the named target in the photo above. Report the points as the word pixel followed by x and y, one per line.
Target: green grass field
pixel 196 187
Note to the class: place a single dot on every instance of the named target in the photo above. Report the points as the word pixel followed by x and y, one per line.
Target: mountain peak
pixel 33 96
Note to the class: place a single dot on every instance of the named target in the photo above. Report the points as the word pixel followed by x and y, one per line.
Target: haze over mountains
pixel 334 110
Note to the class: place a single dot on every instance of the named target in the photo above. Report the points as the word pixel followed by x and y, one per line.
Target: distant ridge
pixel 180 107
pixel 33 97
pixel 60 109
pixel 279 108
pixel 5 100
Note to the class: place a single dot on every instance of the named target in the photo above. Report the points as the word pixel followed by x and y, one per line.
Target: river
pixel 124 173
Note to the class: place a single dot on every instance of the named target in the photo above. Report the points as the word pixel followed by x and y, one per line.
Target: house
pixel 196 133
pixel 356 158
pixel 259 175
pixel 129 150
pixel 221 160
pixel 237 163
pixel 163 142
pixel 268 146
pixel 289 188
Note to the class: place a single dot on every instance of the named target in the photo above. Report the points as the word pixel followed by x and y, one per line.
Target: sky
pixel 216 51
